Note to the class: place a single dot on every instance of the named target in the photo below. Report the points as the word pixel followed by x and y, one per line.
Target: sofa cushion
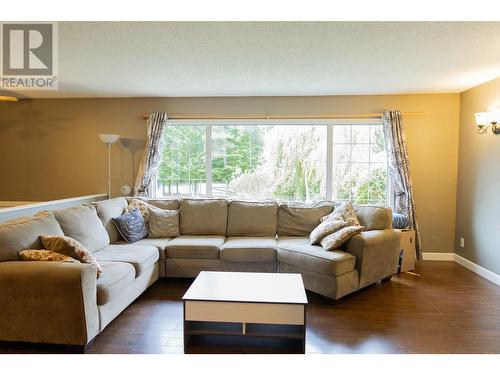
pixel 201 217
pixel 244 249
pixel 83 224
pixel 195 247
pixel 254 219
pixel 141 257
pixel 374 217
pixel 164 204
pixel 24 233
pixel 116 277
pixel 296 219
pixel 298 252
pixel 108 209
pixel 159 243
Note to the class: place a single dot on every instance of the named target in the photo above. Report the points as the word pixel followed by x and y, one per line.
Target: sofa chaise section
pixel 366 258
pixel 329 273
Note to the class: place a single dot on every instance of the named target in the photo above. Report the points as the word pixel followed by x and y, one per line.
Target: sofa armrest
pixel 48 302
pixel 377 254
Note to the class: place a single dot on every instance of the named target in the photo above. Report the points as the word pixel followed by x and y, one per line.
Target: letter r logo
pixel 27 49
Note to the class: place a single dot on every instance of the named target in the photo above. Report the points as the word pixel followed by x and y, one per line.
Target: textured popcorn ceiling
pixel 130 59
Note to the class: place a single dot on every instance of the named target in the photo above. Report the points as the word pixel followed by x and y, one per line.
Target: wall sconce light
pixel 490 119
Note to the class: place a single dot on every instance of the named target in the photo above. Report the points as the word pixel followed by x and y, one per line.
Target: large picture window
pixel 300 162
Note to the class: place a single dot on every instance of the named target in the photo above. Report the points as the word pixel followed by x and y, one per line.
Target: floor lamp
pixel 109 139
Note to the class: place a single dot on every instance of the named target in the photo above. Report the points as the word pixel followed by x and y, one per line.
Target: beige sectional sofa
pixel 49 302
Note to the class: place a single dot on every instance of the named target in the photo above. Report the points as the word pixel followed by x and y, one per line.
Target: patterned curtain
pixel 152 154
pixel 399 169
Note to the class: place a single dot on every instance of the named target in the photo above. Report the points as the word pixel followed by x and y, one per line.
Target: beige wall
pixel 49 148
pixel 478 196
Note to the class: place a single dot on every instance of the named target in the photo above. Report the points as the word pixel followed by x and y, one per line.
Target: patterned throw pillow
pixel 337 239
pixel 343 212
pixel 163 223
pixel 131 226
pixel 324 229
pixel 399 221
pixel 70 247
pixel 141 205
pixel 45 255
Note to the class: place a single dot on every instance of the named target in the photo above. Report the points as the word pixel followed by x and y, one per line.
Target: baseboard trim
pixel 450 257
pixel 476 268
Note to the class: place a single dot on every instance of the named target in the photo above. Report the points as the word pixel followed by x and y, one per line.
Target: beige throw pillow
pixel 163 223
pixel 344 212
pixel 337 239
pixel 45 255
pixel 324 229
pixel 71 248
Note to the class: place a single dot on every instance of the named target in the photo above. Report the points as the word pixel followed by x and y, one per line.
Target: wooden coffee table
pixel 245 312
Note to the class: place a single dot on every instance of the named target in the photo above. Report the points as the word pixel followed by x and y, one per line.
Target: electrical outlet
pixel 462 242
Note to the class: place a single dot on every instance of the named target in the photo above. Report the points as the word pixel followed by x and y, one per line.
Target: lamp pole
pixel 109 170
pixel 109 139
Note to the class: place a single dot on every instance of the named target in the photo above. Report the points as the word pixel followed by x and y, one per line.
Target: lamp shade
pixel 109 138
pixel 482 118
pixel 494 115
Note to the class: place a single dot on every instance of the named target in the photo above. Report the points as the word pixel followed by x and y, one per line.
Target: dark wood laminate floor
pixel 447 310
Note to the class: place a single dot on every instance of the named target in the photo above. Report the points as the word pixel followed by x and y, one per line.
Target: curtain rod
pixel 280 117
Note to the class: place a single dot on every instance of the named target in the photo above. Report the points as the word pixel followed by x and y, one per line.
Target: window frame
pixel 329 123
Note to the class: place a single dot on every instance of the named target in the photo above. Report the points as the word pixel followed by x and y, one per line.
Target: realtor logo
pixel 29 56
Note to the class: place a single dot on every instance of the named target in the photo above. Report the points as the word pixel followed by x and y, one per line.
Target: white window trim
pixel 329 123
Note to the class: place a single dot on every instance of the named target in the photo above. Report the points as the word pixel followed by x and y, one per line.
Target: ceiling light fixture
pixel 8 99
pixel 490 119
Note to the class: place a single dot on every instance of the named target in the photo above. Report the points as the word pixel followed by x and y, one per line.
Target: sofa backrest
pixel 24 233
pixel 107 210
pixel 203 216
pixel 163 203
pixel 82 223
pixel 252 219
pixel 374 217
pixel 296 219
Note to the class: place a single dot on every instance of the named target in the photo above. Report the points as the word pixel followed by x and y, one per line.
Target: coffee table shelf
pixel 251 329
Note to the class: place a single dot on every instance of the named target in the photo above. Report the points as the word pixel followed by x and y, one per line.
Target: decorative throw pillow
pixel 131 226
pixel 344 212
pixel 324 229
pixel 163 223
pixel 399 221
pixel 45 255
pixel 141 205
pixel 70 247
pixel 337 239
